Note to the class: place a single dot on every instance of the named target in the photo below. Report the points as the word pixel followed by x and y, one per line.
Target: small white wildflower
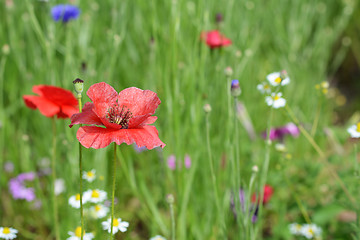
pixel 99 211
pixel 59 186
pixel 278 78
pixel 76 235
pixel 264 88
pixel 95 196
pixel 89 176
pixel 8 233
pixel 158 237
pixel 354 130
pixel 74 200
pixel 118 225
pixel 275 100
pixel 295 228
pixel 310 230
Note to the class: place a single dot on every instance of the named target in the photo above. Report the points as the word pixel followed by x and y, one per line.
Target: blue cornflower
pixel 65 12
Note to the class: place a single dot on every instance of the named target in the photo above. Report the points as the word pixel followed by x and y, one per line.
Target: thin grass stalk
pixel 113 194
pixel 53 174
pixel 80 176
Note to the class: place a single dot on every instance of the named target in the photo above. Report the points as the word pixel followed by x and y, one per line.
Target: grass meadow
pixel 203 183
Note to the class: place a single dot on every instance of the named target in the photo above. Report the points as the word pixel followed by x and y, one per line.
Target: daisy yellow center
pixel 78 232
pixel 298 227
pixel 311 231
pixel 77 197
pixel 90 174
pixel 6 230
pixel 276 97
pixel 358 127
pixel 119 115
pixel 266 86
pixel 97 208
pixel 115 223
pixel 278 80
pixel 95 194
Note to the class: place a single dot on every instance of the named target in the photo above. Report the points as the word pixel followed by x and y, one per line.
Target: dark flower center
pixel 119 115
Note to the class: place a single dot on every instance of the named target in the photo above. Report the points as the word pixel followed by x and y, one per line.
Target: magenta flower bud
pixel 171 162
pixel 187 161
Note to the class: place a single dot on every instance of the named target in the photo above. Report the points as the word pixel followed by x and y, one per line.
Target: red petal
pixel 141 103
pixel 46 107
pixel 226 42
pixel 87 116
pixel 213 39
pixel 97 137
pixel 57 95
pixel 68 111
pixel 103 96
pixel 149 120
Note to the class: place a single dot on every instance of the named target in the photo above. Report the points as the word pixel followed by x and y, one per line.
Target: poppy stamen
pixel 119 115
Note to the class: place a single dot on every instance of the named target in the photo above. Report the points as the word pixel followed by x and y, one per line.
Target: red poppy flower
pixel 120 118
pixel 214 39
pixel 52 101
pixel 268 192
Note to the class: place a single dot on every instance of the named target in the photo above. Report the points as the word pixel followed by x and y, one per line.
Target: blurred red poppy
pixel 52 101
pixel 268 192
pixel 214 39
pixel 120 118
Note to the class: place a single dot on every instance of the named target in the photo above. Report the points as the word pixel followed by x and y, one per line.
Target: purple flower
pixel 65 12
pixel 139 149
pixel 171 162
pixel 242 197
pixel 280 132
pixel 235 88
pixel 187 161
pixel 19 190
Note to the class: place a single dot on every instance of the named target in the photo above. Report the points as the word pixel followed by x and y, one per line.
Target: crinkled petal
pixel 97 137
pixel 141 103
pixel 68 111
pixel 103 96
pixel 87 116
pixel 46 107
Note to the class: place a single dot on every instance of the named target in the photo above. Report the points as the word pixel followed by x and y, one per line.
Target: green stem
pixel 53 173
pixel 321 154
pixel 237 145
pixel 213 177
pixel 113 193
pixel 316 120
pixel 80 176
pixel 172 221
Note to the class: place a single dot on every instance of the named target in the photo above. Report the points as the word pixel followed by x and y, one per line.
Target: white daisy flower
pixel 8 233
pixel 117 225
pixel 89 176
pixel 275 100
pixel 264 88
pixel 354 130
pixel 323 86
pixel 278 78
pixel 295 228
pixel 99 211
pixel 310 230
pixel 76 235
pixel 59 186
pixel 74 200
pixel 158 237
pixel 95 196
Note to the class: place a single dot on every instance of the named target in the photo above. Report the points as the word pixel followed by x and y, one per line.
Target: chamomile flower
pixel 158 237
pixel 99 211
pixel 295 228
pixel 8 233
pixel 76 235
pixel 275 100
pixel 323 87
pixel 278 78
pixel 95 196
pixel 264 88
pixel 118 225
pixel 89 176
pixel 310 231
pixel 354 130
pixel 74 200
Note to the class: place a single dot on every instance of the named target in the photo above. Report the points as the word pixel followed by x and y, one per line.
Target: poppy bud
pixel 228 71
pixel 170 198
pixel 255 169
pixel 235 88
pixel 207 108
pixel 219 18
pixel 78 86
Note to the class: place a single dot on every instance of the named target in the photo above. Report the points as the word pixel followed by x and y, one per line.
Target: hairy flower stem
pixel 213 177
pixel 321 154
pixel 53 174
pixel 80 176
pixel 113 193
pixel 172 215
pixel 237 145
